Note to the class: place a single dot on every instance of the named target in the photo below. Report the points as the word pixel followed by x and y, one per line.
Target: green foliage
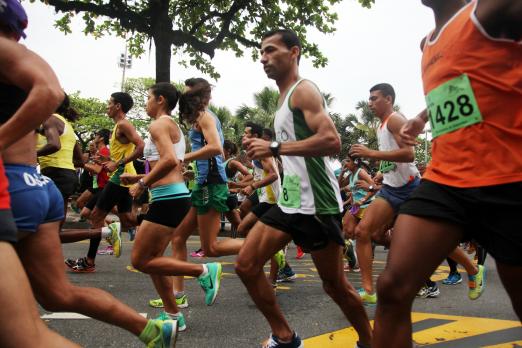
pixel 93 117
pixel 196 30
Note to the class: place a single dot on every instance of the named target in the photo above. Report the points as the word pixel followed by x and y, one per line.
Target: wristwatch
pixel 142 184
pixel 370 188
pixel 121 163
pixel 274 147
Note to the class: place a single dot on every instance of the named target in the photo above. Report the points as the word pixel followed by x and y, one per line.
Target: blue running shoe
pixel 453 279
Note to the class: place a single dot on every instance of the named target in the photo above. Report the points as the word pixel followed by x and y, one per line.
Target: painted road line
pixel 440 331
pixel 70 315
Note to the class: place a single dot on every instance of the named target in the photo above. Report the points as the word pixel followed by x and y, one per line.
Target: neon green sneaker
pixel 115 238
pixel 280 259
pixel 168 332
pixel 210 282
pixel 477 283
pixel 180 318
pixel 366 298
pixel 181 302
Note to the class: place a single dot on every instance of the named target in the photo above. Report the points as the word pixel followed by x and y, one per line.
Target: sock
pixel 179 294
pixel 205 271
pixel 105 232
pixel 173 316
pixel 150 332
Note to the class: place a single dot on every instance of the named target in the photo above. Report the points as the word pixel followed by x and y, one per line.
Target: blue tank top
pixel 212 170
pixel 358 193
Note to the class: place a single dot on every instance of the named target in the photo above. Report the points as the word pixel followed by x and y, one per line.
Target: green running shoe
pixel 477 283
pixel 167 335
pixel 180 318
pixel 210 282
pixel 280 259
pixel 181 302
pixel 115 238
pixel 368 299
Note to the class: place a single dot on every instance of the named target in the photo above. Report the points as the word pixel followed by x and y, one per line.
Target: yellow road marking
pixel 459 327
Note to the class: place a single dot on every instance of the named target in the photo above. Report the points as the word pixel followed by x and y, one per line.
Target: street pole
pixel 124 65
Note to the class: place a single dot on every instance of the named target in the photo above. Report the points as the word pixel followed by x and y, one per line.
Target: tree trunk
pixel 162 58
pixel 161 27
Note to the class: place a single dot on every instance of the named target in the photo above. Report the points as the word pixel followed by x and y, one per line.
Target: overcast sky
pixel 374 45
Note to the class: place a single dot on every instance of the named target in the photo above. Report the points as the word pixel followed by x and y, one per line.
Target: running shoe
pixel 181 302
pixel 368 299
pixel 109 250
pixel 286 274
pixel 167 335
pixel 300 253
pixel 423 291
pixel 180 318
pixel 280 259
pixel 82 266
pixel 115 238
pixel 274 342
pixel 198 253
pixel 477 283
pixel 72 262
pixel 210 282
pixel 432 291
pixel 453 279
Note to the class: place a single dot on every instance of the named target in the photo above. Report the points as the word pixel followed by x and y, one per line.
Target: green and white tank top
pixel 309 183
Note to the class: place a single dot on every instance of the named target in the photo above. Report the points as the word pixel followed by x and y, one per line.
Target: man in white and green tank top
pixel 309 205
pixel 400 175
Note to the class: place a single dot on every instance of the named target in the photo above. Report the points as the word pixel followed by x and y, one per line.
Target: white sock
pixel 172 316
pixel 205 271
pixel 106 232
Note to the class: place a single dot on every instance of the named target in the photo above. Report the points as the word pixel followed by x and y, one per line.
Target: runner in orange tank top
pixel 472 187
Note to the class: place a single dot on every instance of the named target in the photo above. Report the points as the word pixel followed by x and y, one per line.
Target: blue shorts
pixel 35 200
pixel 395 196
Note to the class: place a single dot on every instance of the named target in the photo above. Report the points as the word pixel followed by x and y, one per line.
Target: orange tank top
pixel 489 151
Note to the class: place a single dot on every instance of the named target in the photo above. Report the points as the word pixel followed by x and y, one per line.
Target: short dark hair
pixel 105 134
pixel 230 147
pixel 255 128
pixel 167 91
pixel 192 102
pixel 124 99
pixel 268 132
pixel 289 38
pixel 66 110
pixel 386 89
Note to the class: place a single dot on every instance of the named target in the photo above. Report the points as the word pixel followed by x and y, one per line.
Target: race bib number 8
pixel 290 197
pixel 452 106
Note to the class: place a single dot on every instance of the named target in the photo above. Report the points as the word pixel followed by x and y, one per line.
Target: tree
pixel 199 28
pixel 93 117
pixel 262 113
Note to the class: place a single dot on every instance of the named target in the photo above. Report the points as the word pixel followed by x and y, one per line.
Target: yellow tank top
pixel 62 158
pixel 120 151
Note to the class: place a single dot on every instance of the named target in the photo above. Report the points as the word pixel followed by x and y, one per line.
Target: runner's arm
pixel 213 146
pixel 167 157
pixel 51 132
pixel 324 141
pixel 32 74
pixel 271 176
pixel 128 130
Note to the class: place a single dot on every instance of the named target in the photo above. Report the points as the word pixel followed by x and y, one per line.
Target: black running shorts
pixel 7 226
pixel 115 195
pixel 65 180
pixel 310 232
pixel 169 212
pixel 490 215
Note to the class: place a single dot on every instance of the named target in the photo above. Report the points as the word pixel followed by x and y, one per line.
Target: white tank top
pixel 270 193
pixel 309 183
pixel 396 174
pixel 150 152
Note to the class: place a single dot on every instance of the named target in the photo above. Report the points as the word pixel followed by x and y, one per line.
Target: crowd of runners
pixel 277 186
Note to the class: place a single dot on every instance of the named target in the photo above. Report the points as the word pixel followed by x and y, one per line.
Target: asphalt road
pixel 233 320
